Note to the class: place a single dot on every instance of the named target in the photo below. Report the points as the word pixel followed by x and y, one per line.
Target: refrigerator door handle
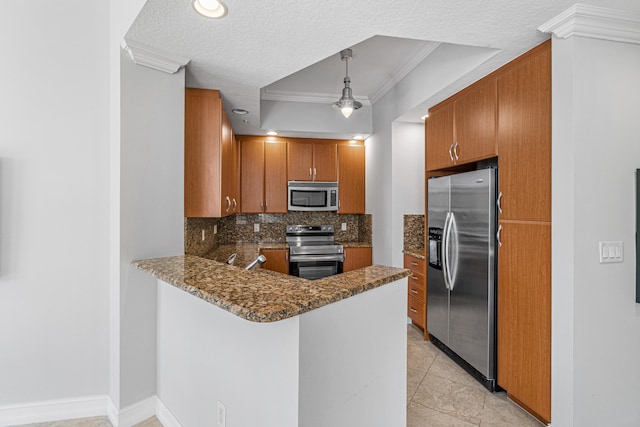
pixel 445 250
pixel 452 239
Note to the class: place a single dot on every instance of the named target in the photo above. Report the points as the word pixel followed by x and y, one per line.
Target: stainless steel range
pixel 313 253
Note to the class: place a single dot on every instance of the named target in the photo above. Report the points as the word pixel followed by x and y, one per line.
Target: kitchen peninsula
pixel 278 350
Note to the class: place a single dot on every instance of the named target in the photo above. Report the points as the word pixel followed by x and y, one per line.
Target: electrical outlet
pixel 215 229
pixel 344 226
pixel 222 414
pixel 256 227
pixel 203 235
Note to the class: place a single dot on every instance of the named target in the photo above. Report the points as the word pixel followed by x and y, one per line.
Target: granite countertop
pixel 260 295
pixel 355 244
pixel 415 253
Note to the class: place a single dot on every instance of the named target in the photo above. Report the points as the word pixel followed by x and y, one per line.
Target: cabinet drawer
pixel 416 289
pixel 417 279
pixel 415 311
pixel 414 264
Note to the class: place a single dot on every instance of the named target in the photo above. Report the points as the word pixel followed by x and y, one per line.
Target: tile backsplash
pixel 414 233
pixel 240 228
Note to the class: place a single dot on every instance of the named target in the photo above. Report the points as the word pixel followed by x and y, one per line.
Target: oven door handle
pixel 308 258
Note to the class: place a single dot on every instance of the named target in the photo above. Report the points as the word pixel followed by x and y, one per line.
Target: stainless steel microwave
pixel 313 196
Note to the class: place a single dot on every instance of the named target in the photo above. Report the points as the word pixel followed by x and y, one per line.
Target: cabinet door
pixel 252 176
pixel 524 314
pixel 325 162
pixel 351 179
pixel 202 151
pixel 275 177
pixel 300 161
pixel 524 140
pixel 355 258
pixel 439 137
pixel 226 167
pixel 277 260
pixel 475 124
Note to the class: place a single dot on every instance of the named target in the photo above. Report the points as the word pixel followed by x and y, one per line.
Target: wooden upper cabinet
pixel 210 160
pixel 475 124
pixel 308 161
pixel 524 139
pixel 463 129
pixel 325 162
pixel 351 179
pixel 264 176
pixel 275 177
pixel 439 137
pixel 300 161
pixel 252 176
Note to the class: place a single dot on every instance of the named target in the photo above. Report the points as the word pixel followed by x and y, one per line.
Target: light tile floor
pixel 439 394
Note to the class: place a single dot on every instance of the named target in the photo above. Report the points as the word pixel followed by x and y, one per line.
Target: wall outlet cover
pixel 256 227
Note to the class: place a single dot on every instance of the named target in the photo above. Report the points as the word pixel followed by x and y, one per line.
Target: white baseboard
pixel 86 407
pixel 165 416
pixel 133 414
pixel 54 410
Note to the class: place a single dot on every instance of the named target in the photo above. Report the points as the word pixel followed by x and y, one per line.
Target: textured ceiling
pixel 259 43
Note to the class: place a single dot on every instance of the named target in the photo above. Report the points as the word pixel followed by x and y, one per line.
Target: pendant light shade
pixel 346 104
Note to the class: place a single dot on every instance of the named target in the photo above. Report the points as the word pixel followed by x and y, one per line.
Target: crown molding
pixel 308 97
pixel 594 22
pixel 154 58
pixel 404 69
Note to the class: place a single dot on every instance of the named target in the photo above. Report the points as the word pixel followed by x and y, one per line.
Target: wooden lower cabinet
pixel 277 260
pixel 524 314
pixel 417 291
pixel 356 258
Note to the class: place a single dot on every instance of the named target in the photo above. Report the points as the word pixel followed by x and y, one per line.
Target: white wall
pixel 447 64
pixel 407 181
pixel 596 150
pixel 151 211
pixel 54 224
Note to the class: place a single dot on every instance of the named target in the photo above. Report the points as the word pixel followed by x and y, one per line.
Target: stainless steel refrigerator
pixel 461 275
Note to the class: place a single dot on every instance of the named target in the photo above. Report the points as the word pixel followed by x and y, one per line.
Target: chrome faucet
pixel 231 259
pixel 260 260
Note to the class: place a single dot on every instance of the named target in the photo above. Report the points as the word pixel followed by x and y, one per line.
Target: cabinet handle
pixel 310 174
pixel 413 263
pixel 455 150
pixel 413 277
pixel 286 256
pixel 413 291
pixel 314 174
pixel 412 310
pixel 235 204
pixel 498 202
pixel 451 155
pixel 266 205
pixel 228 204
pixel 498 235
pixel 260 204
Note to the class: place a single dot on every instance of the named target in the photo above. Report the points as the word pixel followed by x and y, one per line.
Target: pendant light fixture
pixel 346 104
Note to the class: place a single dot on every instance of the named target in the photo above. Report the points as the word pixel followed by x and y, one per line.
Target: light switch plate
pixel 256 227
pixel 611 252
pixel 344 226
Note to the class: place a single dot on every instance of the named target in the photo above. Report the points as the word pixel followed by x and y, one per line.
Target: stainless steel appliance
pixel 313 196
pixel 313 253
pixel 461 279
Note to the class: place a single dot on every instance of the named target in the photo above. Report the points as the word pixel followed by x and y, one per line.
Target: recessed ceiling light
pixel 423 118
pixel 210 8
pixel 272 133
pixel 239 111
pixel 359 137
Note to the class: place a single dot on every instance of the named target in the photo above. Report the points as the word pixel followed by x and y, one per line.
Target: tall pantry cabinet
pixel 524 224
